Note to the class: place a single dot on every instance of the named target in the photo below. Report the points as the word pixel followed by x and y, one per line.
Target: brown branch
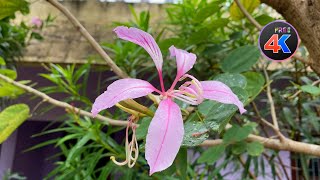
pixel 247 14
pixel 259 27
pixel 90 39
pixel 288 145
pixel 61 104
pixel 275 125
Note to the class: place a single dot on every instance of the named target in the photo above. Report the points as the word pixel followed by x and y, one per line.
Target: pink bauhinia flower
pixel 36 21
pixel 165 133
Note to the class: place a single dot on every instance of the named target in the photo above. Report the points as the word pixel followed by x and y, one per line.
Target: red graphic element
pixel 272 44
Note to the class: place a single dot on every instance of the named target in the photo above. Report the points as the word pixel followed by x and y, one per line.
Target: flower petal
pixel 218 91
pixel 120 90
pixel 143 39
pixel 165 135
pixel 185 60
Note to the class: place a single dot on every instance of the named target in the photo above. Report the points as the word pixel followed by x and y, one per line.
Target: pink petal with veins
pixel 144 40
pixel 185 60
pixel 165 135
pixel 218 91
pixel 120 90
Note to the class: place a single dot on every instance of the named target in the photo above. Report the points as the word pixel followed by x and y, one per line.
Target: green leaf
pixel 249 5
pixel 264 19
pixel 142 130
pixel 181 162
pixel 289 117
pixel 237 133
pixel 204 13
pixel 11 118
pixel 217 115
pixel 2 61
pixel 9 73
pixel 239 148
pixel 255 148
pixel 9 90
pixel 77 149
pixel 255 83
pixel 199 36
pixel 315 91
pixel 240 59
pixel 194 131
pixel 219 23
pixel 9 7
pixel 212 154
pixel 305 166
pixel 232 80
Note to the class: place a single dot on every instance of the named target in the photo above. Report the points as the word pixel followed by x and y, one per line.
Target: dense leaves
pixel 8 8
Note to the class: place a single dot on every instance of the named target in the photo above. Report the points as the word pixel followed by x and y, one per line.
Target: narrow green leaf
pixel 305 166
pixel 181 162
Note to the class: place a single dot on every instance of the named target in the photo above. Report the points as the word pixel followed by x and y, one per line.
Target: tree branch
pixel 288 145
pixel 61 104
pixel 90 39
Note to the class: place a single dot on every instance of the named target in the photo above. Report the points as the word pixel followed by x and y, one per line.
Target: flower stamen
pixel 129 147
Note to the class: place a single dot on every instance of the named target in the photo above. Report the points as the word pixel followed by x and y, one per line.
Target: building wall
pixel 63 43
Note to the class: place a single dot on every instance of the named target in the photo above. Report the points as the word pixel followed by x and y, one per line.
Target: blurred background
pixel 56 59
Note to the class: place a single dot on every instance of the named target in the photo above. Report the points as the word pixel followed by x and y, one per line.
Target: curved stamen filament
pixel 196 82
pixel 129 147
pixel 181 92
pixel 189 90
pixel 184 98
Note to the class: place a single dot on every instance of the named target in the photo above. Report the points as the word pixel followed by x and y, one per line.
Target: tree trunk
pixel 304 15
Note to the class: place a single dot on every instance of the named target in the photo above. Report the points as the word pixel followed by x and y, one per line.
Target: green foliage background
pixel 225 45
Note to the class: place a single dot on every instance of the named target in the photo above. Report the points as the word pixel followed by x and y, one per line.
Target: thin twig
pixel 264 121
pixel 267 135
pixel 247 14
pixel 259 27
pixel 62 104
pixel 272 107
pixel 90 39
pixel 275 144
pixel 298 92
